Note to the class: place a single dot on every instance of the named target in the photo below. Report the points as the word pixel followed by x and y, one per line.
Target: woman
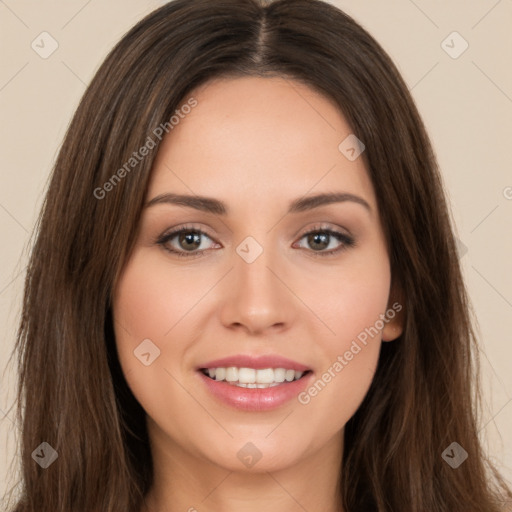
pixel 245 207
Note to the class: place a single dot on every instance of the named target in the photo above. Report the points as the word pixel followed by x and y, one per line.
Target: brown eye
pixel 319 240
pixel 189 241
pixel 184 242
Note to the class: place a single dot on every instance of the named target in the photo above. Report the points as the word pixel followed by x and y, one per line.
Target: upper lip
pixel 257 362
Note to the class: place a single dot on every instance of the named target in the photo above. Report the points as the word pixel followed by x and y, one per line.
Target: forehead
pixel 258 139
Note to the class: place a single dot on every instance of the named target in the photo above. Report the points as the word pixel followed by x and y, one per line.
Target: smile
pixel 251 377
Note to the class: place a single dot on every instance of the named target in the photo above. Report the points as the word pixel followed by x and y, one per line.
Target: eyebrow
pixel 211 205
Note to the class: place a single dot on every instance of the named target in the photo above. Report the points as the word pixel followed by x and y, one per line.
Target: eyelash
pixel 346 241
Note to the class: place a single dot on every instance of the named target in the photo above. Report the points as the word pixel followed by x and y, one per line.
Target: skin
pixel 255 144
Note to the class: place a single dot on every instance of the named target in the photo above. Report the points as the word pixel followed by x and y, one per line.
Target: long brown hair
pixel 72 393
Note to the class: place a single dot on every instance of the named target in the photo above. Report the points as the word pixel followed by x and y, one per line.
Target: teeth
pixel 220 373
pixel 252 385
pixel 246 375
pixel 265 376
pixel 231 374
pixel 279 374
pixel 252 378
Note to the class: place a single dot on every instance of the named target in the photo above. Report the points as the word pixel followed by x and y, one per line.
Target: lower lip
pixel 256 399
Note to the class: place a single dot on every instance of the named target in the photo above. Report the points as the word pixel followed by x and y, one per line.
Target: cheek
pixel 348 298
pixel 148 308
pixel 152 303
pixel 352 306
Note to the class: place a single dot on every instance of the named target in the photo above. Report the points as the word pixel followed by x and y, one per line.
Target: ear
pixel 395 315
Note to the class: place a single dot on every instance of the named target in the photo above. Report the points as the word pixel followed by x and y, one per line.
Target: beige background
pixel 466 103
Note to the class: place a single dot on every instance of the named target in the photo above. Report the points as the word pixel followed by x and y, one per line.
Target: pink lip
pixel 256 399
pixel 259 363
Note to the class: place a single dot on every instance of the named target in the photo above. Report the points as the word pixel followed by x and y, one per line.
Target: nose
pixel 257 296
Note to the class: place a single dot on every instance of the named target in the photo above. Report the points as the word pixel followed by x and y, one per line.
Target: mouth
pixel 254 383
pixel 254 378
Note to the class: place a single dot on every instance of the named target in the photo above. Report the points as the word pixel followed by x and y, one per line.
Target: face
pixel 260 272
